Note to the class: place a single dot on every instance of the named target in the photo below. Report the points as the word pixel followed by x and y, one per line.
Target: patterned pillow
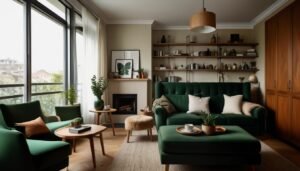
pixel 165 103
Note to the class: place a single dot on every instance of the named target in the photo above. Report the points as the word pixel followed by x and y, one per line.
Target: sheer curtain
pixel 91 62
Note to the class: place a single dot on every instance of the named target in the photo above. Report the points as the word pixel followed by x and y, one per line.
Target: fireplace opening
pixel 125 103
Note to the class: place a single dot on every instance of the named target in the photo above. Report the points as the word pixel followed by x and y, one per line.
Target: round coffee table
pixel 95 129
pixel 109 111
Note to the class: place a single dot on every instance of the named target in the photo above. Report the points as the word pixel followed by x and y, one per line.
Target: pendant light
pixel 203 21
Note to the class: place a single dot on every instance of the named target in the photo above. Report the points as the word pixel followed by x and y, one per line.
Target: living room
pixel 149 85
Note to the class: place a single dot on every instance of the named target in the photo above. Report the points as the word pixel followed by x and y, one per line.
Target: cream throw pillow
pixel 198 105
pixel 34 127
pixel 165 103
pixel 233 104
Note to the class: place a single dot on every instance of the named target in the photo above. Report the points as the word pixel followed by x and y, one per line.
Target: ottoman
pixel 138 122
pixel 234 147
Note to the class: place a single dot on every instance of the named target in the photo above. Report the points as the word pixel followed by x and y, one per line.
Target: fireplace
pixel 125 103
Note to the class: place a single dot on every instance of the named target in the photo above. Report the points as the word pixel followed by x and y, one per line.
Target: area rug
pixel 141 154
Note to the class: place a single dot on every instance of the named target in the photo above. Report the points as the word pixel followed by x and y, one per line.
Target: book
pixel 80 129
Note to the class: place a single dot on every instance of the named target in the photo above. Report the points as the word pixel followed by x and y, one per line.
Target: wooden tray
pixel 196 131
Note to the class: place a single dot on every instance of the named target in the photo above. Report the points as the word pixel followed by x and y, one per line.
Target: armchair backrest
pixel 68 112
pixel 178 93
pixel 16 113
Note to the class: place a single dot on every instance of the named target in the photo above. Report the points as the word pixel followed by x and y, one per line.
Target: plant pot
pixel 208 130
pixel 99 104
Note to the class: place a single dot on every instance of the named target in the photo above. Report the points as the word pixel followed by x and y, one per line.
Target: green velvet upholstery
pixel 19 153
pixel 68 112
pixel 235 147
pixel 177 93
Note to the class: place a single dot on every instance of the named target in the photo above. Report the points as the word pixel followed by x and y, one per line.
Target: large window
pixel 12 53
pixel 42 27
pixel 48 56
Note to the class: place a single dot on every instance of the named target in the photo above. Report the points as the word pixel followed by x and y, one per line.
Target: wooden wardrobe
pixel 283 72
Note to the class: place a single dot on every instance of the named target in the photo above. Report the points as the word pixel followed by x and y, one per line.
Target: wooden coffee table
pixel 109 111
pixel 95 129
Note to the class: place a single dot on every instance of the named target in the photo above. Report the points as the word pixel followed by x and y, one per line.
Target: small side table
pixel 99 112
pixel 95 129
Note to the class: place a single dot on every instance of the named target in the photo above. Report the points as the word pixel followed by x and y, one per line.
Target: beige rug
pixel 142 155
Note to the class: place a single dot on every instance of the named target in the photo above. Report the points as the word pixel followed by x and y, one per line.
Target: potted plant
pixel 142 73
pixel 98 86
pixel 208 126
pixel 71 95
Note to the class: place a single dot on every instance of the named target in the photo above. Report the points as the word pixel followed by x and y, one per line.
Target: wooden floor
pixel 82 160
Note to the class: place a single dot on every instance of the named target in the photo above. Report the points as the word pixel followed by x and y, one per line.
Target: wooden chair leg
pixel 166 167
pixel 128 135
pixel 151 136
pixel 148 132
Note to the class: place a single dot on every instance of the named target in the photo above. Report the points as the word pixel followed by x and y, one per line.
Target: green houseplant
pixel 98 87
pixel 209 124
pixel 71 95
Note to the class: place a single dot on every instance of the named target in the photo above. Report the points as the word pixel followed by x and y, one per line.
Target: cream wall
pixel 131 37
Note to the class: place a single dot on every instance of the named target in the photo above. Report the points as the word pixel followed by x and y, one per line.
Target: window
pixel 48 55
pixel 12 53
pixel 55 6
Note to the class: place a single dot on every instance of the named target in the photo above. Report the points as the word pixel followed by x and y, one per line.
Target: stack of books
pixel 251 52
pixel 80 129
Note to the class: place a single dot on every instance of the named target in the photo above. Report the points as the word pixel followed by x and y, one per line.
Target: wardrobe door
pixel 296 75
pixel 284 51
pixel 283 117
pixel 271 45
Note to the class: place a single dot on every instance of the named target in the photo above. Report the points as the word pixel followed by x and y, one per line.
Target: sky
pixel 47 38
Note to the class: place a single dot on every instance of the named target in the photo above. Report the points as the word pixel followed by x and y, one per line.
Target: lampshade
pixel 203 22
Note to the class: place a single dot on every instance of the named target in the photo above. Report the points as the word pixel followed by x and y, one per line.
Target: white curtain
pixel 91 63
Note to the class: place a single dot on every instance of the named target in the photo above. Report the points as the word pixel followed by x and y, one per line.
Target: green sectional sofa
pixel 177 93
pixel 45 152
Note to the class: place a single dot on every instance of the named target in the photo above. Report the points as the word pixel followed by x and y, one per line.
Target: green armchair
pixel 19 153
pixel 66 113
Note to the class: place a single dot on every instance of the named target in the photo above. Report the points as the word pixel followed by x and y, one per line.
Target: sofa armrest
pixel 15 154
pixel 160 114
pixel 260 114
pixel 51 118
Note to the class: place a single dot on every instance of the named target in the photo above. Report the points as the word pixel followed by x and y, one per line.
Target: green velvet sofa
pixel 177 93
pixel 45 152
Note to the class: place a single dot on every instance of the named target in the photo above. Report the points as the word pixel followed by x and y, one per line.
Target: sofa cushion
pixel 184 118
pixel 234 119
pixel 55 125
pixel 48 153
pixel 198 105
pixel 232 104
pixel 34 127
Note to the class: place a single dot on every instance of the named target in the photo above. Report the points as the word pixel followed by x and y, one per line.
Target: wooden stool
pixel 138 122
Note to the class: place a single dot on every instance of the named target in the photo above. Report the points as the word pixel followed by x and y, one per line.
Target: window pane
pixel 55 6
pixel 47 59
pixel 12 53
pixel 49 101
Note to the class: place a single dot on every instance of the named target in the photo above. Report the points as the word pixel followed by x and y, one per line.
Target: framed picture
pixel 125 54
pixel 124 67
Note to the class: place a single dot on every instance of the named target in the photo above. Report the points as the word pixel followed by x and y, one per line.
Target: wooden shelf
pixel 128 79
pixel 203 70
pixel 220 57
pixel 204 44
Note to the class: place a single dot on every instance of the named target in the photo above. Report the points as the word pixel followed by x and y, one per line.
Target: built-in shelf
pixel 205 44
pixel 203 70
pixel 220 57
pixel 128 79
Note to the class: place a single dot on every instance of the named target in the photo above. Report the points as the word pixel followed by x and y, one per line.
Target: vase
pixel 99 104
pixel 208 130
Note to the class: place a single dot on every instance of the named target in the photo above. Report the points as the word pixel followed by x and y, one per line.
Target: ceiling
pixel 170 13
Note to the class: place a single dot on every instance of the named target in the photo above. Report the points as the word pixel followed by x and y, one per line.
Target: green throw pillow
pixel 165 103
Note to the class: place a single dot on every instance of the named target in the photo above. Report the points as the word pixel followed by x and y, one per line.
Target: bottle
pixel 163 39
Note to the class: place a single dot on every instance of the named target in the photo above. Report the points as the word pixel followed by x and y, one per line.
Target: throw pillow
pixel 165 103
pixel 34 127
pixel 232 104
pixel 198 105
pixel 247 107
